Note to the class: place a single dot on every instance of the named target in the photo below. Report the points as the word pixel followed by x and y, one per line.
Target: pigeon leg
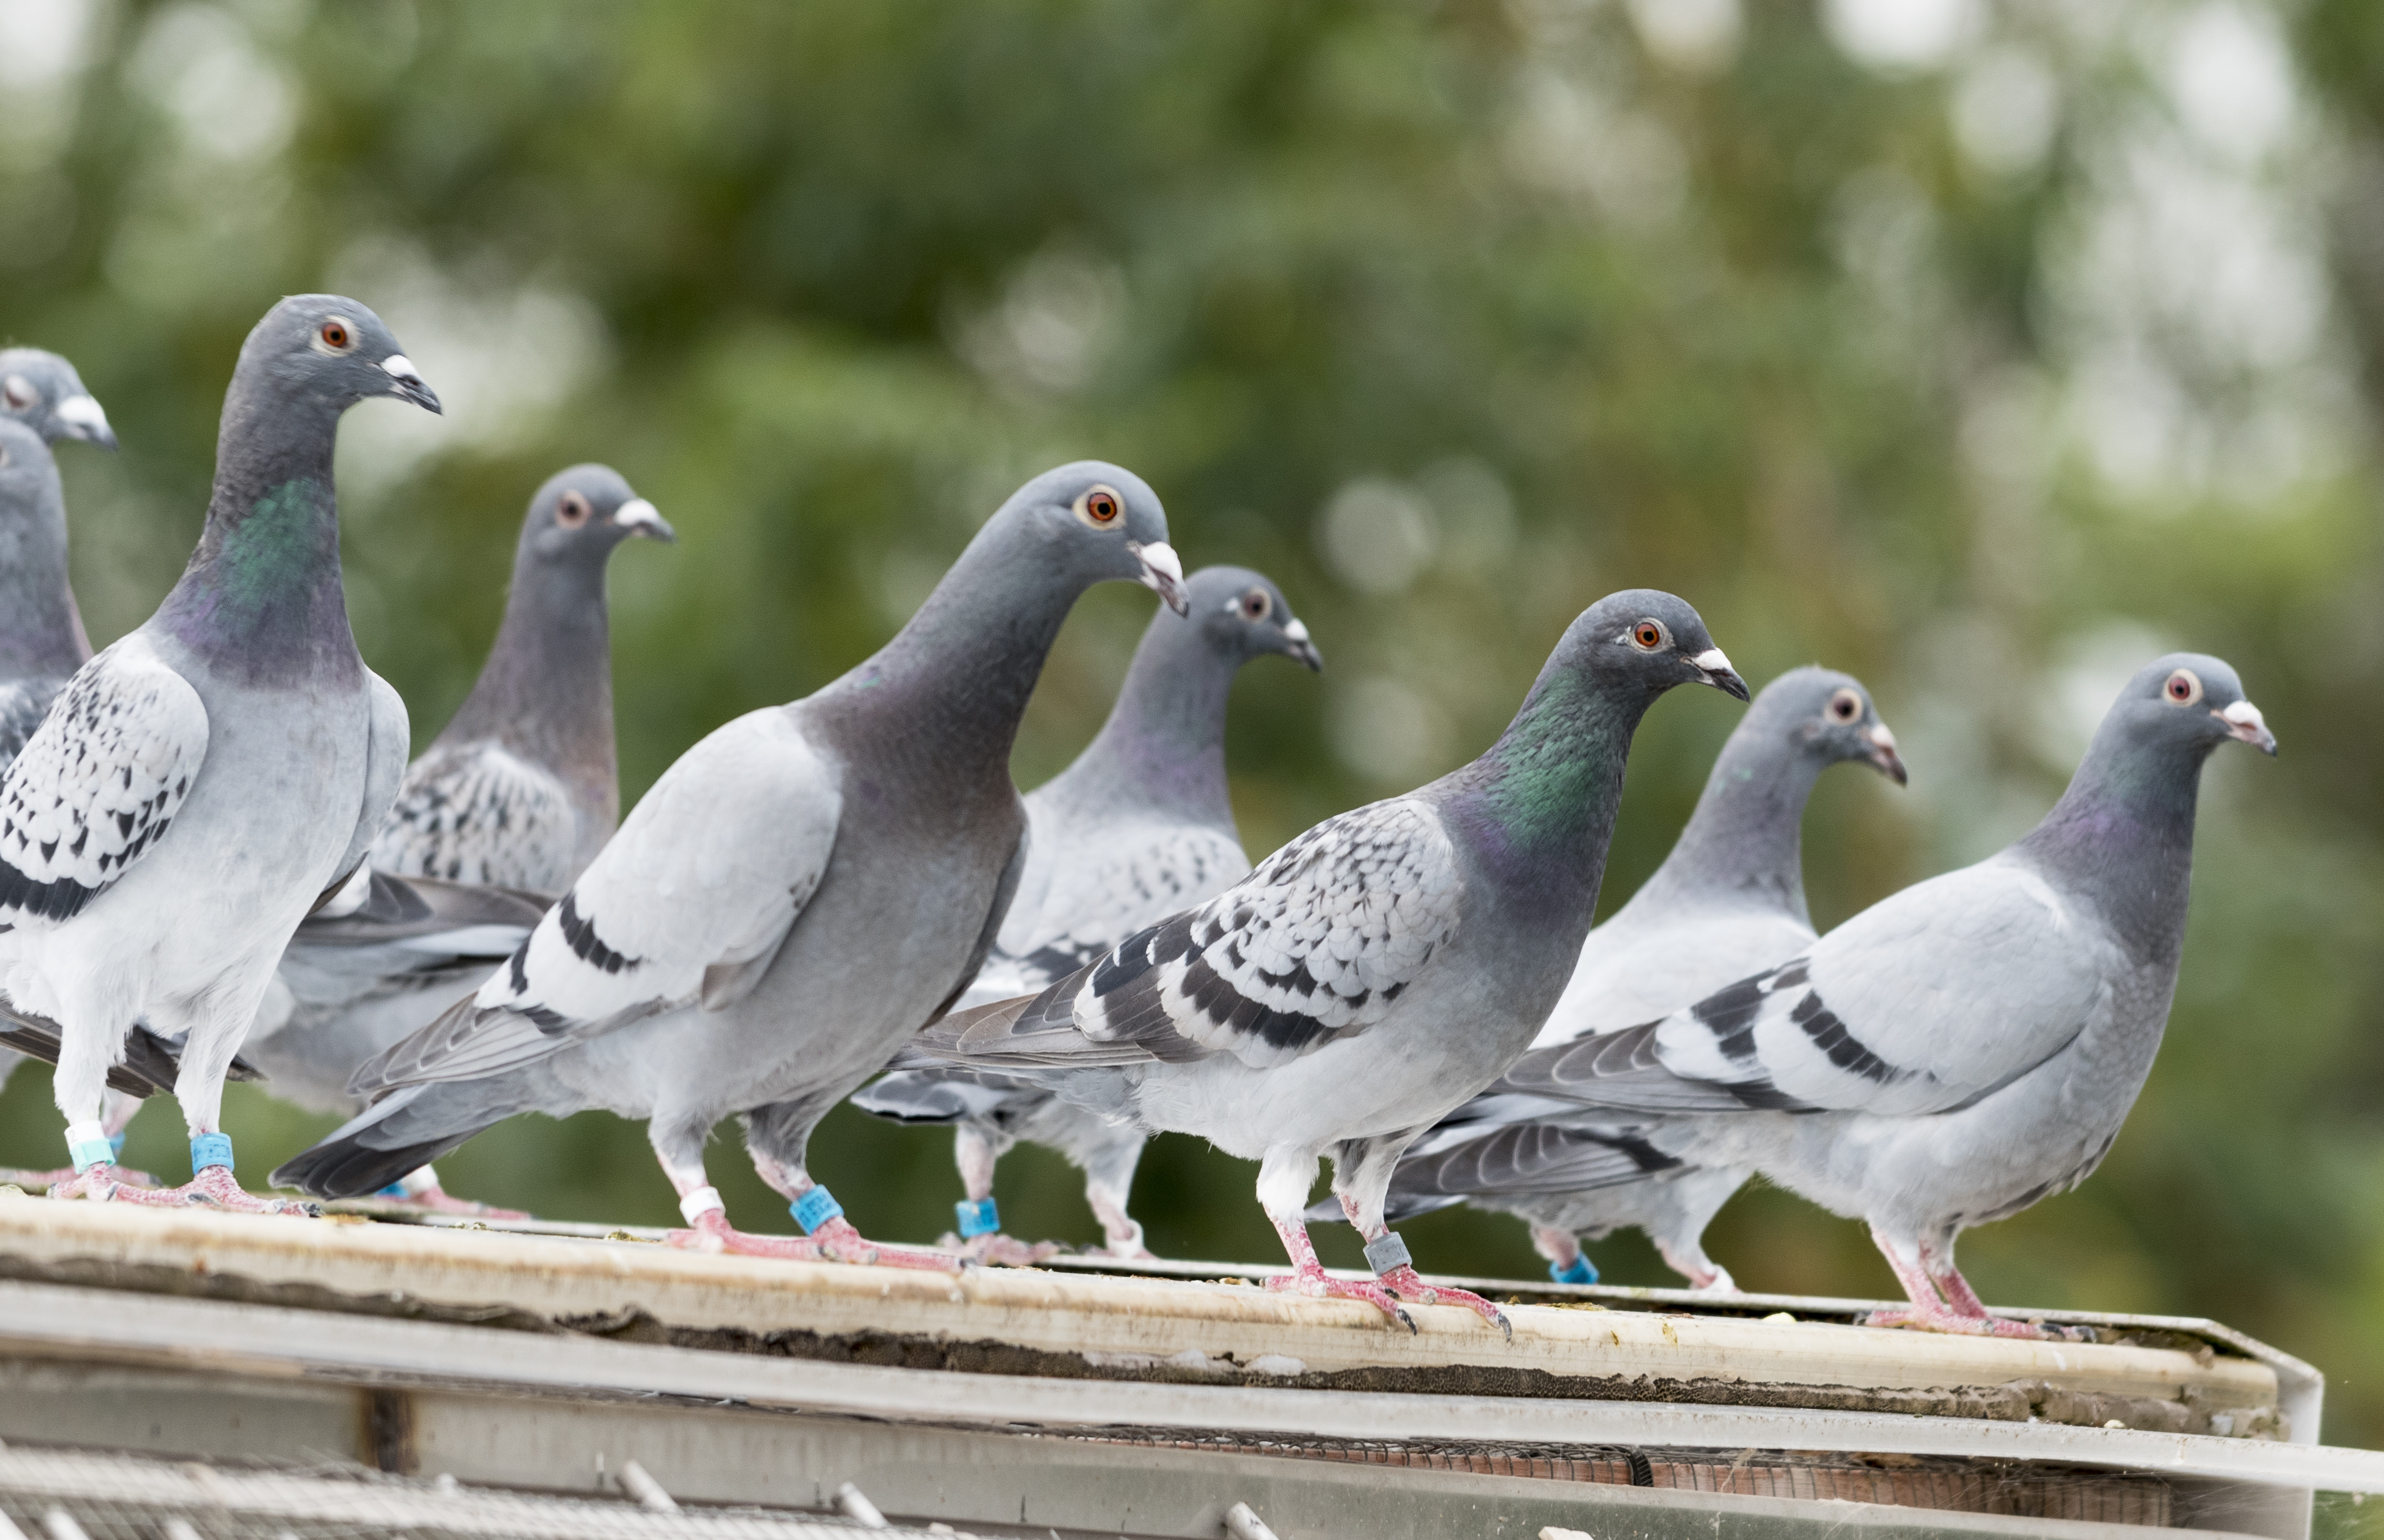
pixel 1927 1313
pixel 1388 1255
pixel 212 1184
pixel 1122 1231
pixel 1562 1248
pixel 1704 1274
pixel 831 1238
pixel 118 1116
pixel 1284 1177
pixel 976 1151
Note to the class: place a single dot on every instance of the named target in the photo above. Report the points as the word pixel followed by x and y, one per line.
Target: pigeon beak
pixel 1163 572
pixel 85 420
pixel 638 517
pixel 2243 720
pixel 1883 757
pixel 1715 670
pixel 409 385
pixel 1302 648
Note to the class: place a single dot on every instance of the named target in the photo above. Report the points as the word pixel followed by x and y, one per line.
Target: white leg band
pixel 702 1201
pixel 415 1183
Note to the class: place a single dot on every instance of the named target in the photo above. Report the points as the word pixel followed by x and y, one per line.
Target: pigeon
pixel 1727 901
pixel 1139 827
pixel 1968 1044
pixel 1376 972
pixel 205 782
pixel 797 896
pixel 42 391
pixel 506 807
pixel 521 789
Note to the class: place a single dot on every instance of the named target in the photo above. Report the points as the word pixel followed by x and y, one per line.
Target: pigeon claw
pixel 1943 1319
pixel 33 1180
pixel 1311 1282
pixel 1403 1281
pixel 213 1187
pixel 996 1249
pixel 836 1241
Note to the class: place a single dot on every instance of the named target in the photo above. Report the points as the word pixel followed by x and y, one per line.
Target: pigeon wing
pixel 1315 945
pixel 98 784
pixel 1926 1003
pixel 386 743
pixel 685 906
pixel 477 813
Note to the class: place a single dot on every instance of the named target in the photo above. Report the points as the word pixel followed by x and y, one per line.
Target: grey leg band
pixel 1387 1253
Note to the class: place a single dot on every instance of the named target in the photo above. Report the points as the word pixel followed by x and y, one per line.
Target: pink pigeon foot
pixel 836 1241
pixel 1942 1318
pixel 1312 1281
pixel 996 1249
pixel 214 1187
pixel 1403 1281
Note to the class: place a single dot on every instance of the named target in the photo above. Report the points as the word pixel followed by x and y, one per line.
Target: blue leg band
pixel 814 1209
pixel 116 1143
pixel 87 1145
pixel 1579 1272
pixel 980 1217
pixel 395 1189
pixel 210 1149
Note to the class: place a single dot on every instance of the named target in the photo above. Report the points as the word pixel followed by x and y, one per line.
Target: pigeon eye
pixel 1099 506
pixel 2185 687
pixel 572 511
pixel 1845 706
pixel 335 335
pixel 1649 635
pixel 18 392
pixel 1256 604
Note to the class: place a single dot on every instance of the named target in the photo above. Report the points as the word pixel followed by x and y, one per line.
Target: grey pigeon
pixel 501 812
pixel 42 391
pixel 795 898
pixel 205 781
pixel 521 788
pixel 1376 972
pixel 1139 827
pixel 1727 901
pixel 41 640
pixel 1970 1045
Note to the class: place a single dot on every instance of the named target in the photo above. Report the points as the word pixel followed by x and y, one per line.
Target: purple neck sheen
pixel 2121 836
pixel 1162 749
pixel 261 599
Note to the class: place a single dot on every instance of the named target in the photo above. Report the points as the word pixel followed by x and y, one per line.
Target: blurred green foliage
pixel 1985 365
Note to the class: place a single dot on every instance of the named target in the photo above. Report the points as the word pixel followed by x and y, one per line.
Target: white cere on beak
pixel 402 368
pixel 2243 714
pixel 1160 558
pixel 1163 573
pixel 1297 630
pixel 1881 739
pixel 83 412
pixel 1713 660
pixel 638 513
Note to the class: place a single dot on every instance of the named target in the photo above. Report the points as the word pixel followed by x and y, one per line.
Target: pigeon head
pixel 1647 639
pixel 1244 615
pixel 1831 716
pixel 42 391
pixel 332 352
pixel 581 514
pixel 2186 703
pixel 1096 522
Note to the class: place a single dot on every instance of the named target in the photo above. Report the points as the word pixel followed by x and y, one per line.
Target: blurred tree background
pixel 1985 348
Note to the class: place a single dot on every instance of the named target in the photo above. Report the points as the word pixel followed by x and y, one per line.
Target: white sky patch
pixel 500 354
pixel 1567 138
pixel 44 42
pixel 1902 35
pixel 1053 326
pixel 230 102
pixel 1700 36
pixel 1386 730
pixel 1377 536
pixel 2006 108
pixel 2232 82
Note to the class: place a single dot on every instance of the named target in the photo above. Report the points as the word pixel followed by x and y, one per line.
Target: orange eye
pixel 1647 635
pixel 2185 687
pixel 1101 506
pixel 336 335
pixel 1845 705
pixel 572 511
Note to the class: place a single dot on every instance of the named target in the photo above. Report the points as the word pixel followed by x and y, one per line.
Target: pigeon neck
pixel 2122 837
pixel 261 598
pixel 41 632
pixel 1539 807
pixel 1163 746
pixel 958 674
pixel 546 691
pixel 1745 842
